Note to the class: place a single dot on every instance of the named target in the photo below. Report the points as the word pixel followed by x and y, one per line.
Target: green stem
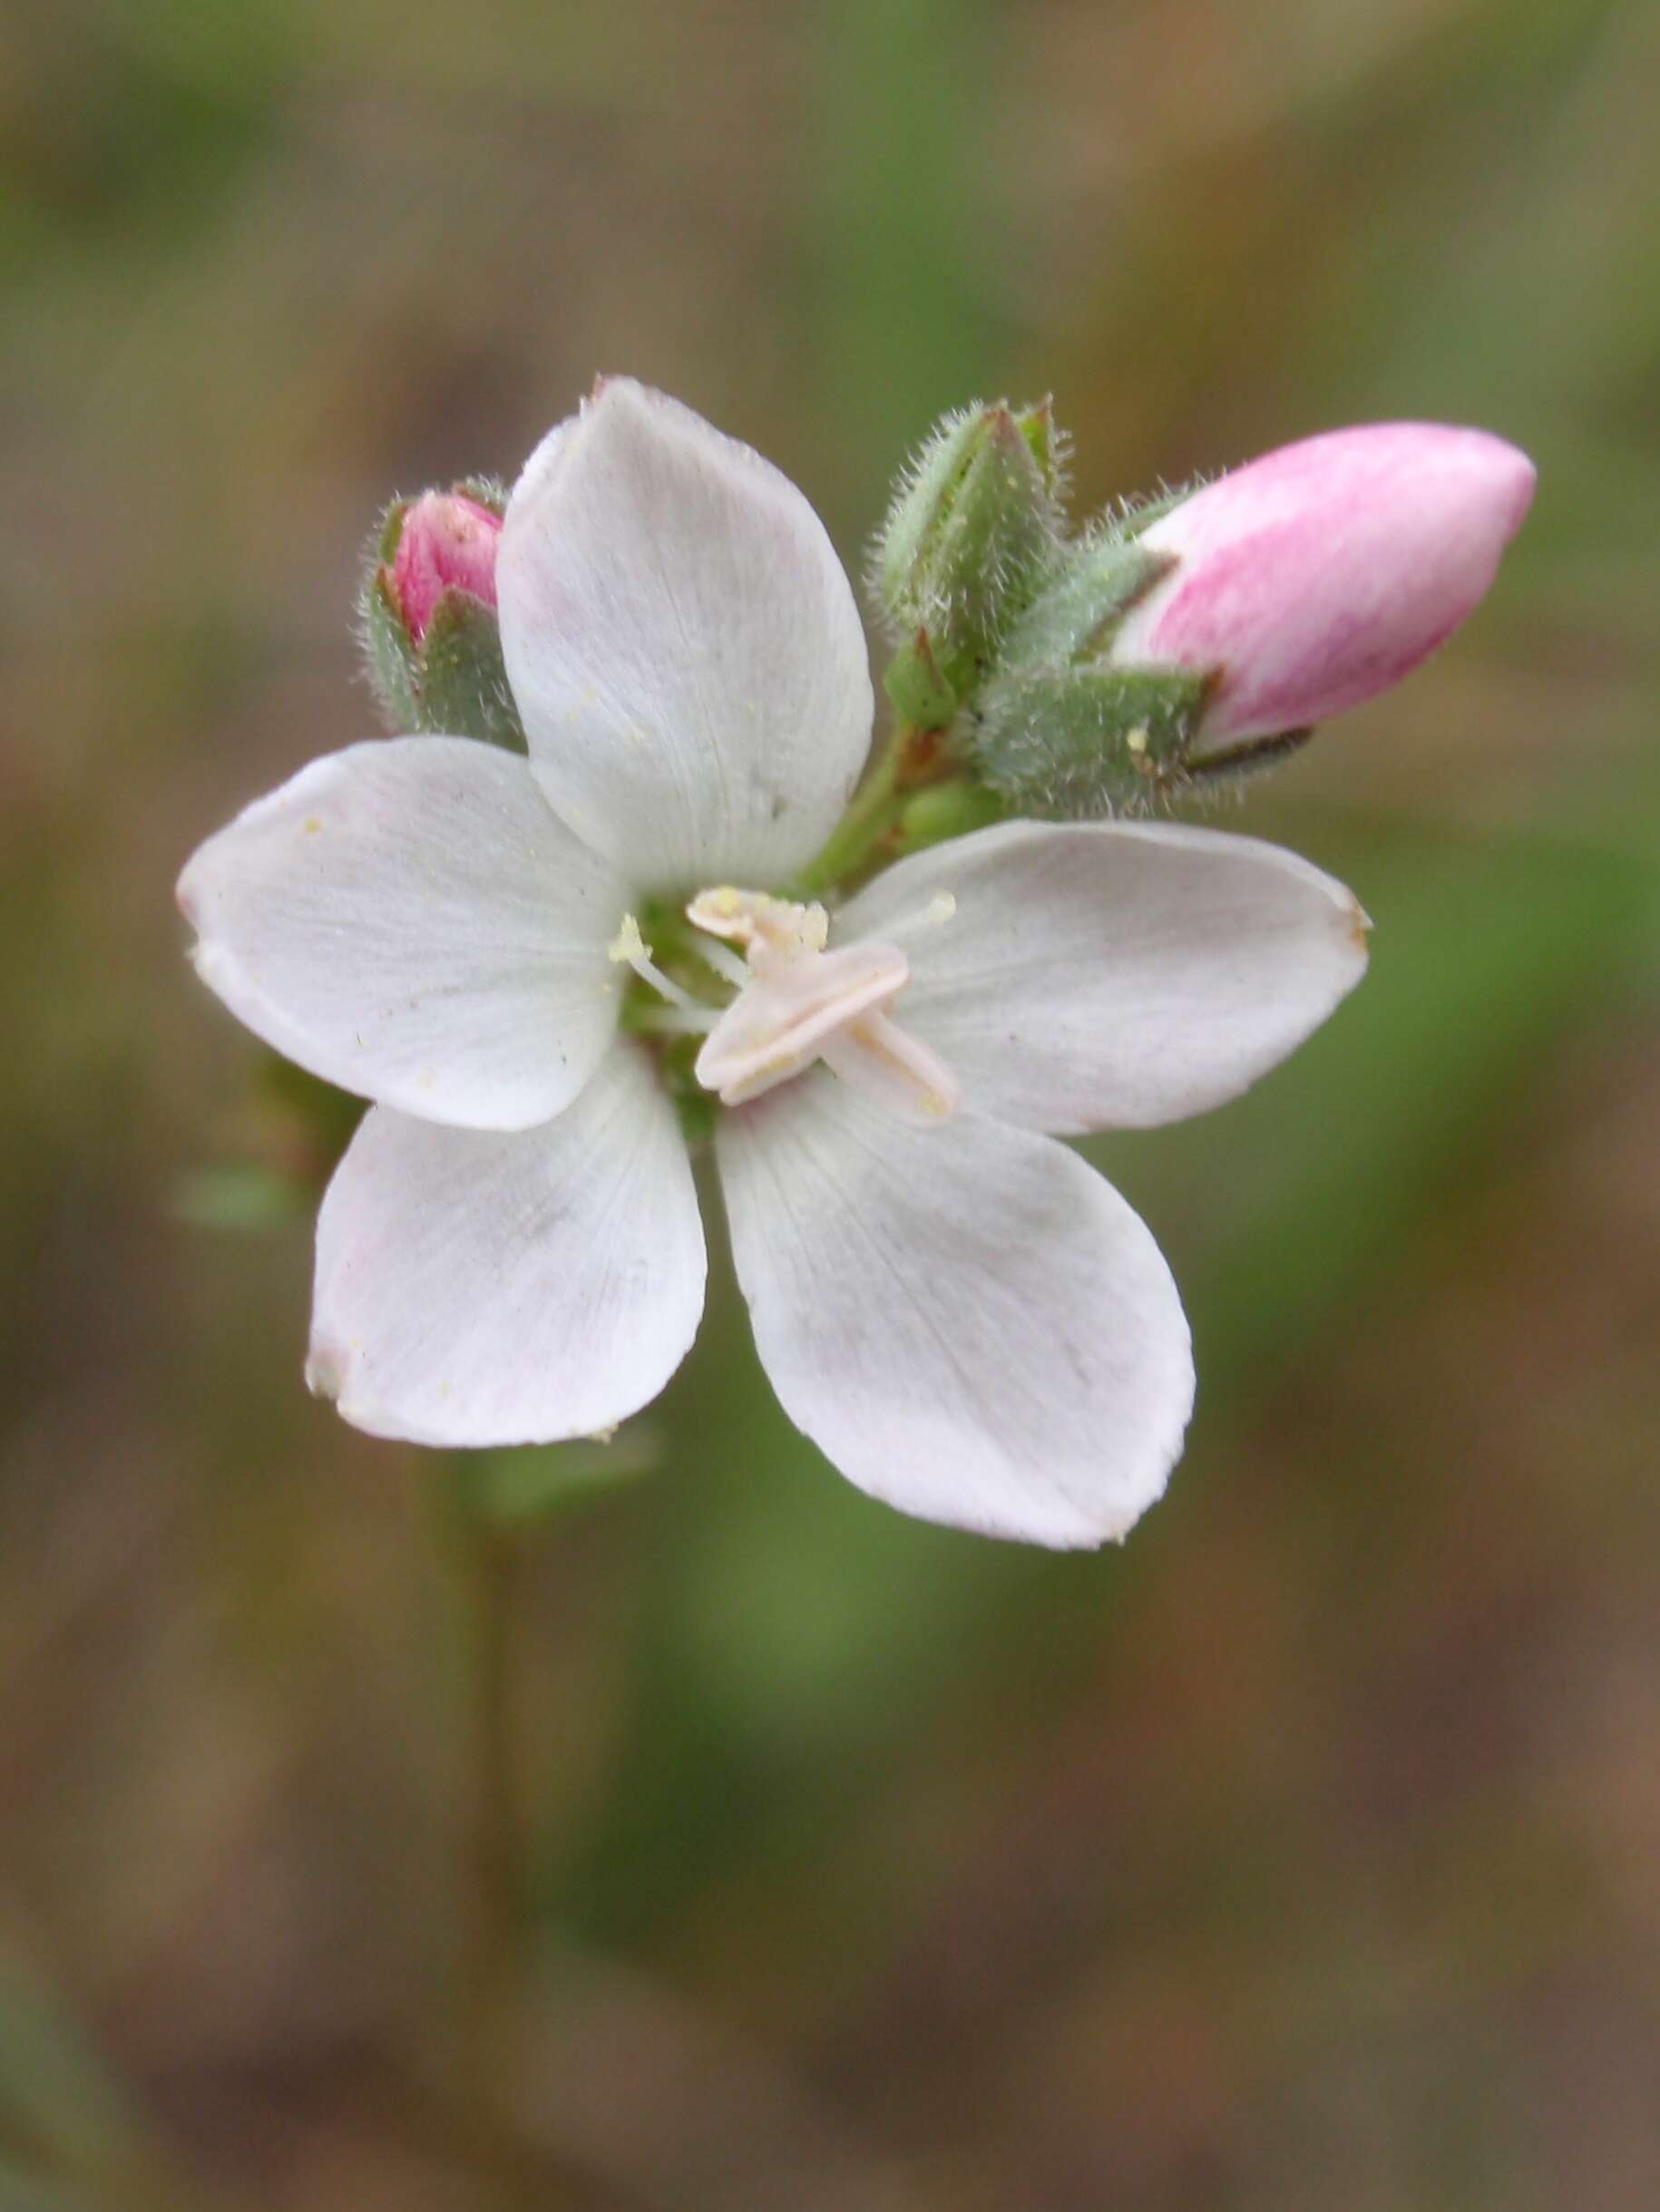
pixel 915 756
pixel 874 809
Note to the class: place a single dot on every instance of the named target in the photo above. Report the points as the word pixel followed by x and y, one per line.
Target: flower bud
pixel 430 631
pixel 447 540
pixel 969 537
pixel 1318 576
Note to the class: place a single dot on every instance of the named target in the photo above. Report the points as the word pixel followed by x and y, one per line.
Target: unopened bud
pixel 1201 638
pixel 969 538
pixel 447 541
pixel 1316 578
pixel 430 631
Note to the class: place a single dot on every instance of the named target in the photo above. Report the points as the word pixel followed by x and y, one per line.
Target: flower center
pixel 796 1001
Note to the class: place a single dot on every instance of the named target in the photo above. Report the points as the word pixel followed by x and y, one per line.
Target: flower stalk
pixel 872 831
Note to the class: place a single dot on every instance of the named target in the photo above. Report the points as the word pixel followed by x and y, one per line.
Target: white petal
pixel 410 920
pixel 1113 975
pixel 683 645
pixel 476 1287
pixel 967 1321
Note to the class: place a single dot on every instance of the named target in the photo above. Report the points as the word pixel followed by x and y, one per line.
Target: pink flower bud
pixel 448 539
pixel 1318 576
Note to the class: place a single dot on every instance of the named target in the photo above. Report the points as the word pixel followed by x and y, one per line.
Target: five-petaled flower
pixel 964 1316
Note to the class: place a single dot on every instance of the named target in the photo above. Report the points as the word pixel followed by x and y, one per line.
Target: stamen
pixel 798 1002
pixel 938 911
pixel 630 950
pixel 759 923
pixel 729 965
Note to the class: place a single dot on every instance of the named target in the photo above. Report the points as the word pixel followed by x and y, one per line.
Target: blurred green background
pixel 1302 1852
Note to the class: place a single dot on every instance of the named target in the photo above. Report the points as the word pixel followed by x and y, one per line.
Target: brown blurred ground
pixel 1301 1853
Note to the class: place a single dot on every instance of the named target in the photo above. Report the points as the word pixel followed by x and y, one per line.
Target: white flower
pixel 967 1321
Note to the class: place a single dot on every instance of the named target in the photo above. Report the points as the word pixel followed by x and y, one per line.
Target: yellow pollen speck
pixel 314 822
pixel 941 906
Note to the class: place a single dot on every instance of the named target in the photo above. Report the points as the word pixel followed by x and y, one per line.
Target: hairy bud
pixel 1200 638
pixel 429 625
pixel 973 527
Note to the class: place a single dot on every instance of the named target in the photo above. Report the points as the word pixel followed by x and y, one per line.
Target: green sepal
pixel 921 499
pixel 1091 590
pixel 971 534
pixel 920 694
pixel 1078 744
pixel 1237 763
pixel 389 657
pixel 461 679
pixel 1131 516
pixel 1048 443
pixel 487 491
pixel 388 531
